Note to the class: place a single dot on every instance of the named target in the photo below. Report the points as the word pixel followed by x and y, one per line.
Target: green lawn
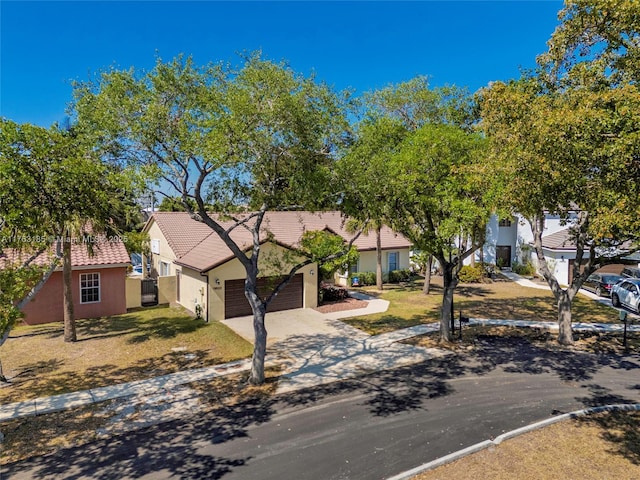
pixel 133 346
pixel 500 299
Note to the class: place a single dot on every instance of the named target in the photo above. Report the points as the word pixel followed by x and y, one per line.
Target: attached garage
pixel 237 305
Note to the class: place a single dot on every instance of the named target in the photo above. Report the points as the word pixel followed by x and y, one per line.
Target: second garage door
pixel 237 305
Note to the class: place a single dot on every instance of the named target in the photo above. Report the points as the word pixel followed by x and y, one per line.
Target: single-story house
pixel 98 284
pixel 210 279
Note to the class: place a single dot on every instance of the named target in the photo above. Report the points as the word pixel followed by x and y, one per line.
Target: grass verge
pixel 45 434
pixel 500 300
pixel 601 446
pixel 122 348
pixel 590 342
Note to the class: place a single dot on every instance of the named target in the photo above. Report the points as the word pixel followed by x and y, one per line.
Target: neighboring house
pixel 510 241
pixel 209 277
pixel 98 285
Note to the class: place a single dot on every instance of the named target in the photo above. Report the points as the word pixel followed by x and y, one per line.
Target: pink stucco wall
pixel 47 305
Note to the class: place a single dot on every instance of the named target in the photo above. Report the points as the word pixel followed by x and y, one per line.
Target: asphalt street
pixel 370 428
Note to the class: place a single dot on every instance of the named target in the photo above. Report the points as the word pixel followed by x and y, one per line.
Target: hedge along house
pixel 210 279
pixel 97 284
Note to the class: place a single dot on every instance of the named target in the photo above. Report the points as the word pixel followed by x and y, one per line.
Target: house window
pixel 164 269
pixel 89 287
pixel 505 222
pixel 393 261
pixel 353 268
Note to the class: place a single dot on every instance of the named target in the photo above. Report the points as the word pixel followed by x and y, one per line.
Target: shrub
pixel 331 293
pixel 469 274
pixel 488 268
pixel 365 278
pixel 526 269
pixel 397 276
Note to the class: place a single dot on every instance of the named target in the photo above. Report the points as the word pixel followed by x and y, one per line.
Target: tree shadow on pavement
pixel 177 448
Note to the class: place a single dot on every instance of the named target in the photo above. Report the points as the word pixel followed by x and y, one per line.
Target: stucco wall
pixel 558 263
pixel 133 291
pixel 166 290
pixel 269 254
pixel 368 260
pixel 166 253
pixel 193 288
pixel 47 306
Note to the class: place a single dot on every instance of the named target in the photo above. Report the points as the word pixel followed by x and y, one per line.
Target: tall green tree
pixel 566 140
pixel 364 181
pixel 419 161
pixel 597 41
pixel 573 154
pixel 245 140
pixel 439 201
pixel 57 192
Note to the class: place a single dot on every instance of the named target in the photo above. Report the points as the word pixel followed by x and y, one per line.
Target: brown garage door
pixel 237 305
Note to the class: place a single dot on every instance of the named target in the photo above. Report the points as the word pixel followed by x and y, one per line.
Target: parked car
pixel 601 283
pixel 630 272
pixel 627 294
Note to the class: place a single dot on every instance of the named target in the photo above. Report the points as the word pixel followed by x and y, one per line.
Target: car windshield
pixel 611 278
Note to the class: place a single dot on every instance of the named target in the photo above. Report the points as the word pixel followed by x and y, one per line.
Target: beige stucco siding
pixel 193 288
pixel 274 260
pixel 133 292
pixel 368 259
pixel 166 253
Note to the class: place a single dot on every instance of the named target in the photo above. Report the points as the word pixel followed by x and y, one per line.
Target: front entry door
pixel 503 256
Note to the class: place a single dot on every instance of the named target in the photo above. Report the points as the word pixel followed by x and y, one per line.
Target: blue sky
pixel 359 45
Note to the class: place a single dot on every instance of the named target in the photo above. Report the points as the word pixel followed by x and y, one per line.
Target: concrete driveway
pixel 292 323
pixel 308 322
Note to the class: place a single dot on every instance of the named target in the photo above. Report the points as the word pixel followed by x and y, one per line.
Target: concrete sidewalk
pixel 318 351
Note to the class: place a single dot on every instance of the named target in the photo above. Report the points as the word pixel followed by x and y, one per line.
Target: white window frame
pixel 167 268
pixel 90 277
pixel 353 268
pixel 397 262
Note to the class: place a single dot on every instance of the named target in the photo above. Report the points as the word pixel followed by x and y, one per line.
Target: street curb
pixel 452 457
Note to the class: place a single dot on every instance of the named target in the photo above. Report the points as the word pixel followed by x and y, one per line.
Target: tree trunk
pixel 260 346
pixel 5 335
pixel 378 259
pixel 446 335
pixel 426 288
pixel 565 333
pixel 69 320
pixel 256 377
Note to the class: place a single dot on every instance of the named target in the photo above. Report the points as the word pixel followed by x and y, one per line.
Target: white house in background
pixel 209 279
pixel 510 241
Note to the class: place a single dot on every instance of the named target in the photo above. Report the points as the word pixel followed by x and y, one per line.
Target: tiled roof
pixel 197 246
pixel 560 240
pixel 104 253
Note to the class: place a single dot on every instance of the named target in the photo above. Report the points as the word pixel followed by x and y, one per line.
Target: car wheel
pixel 599 291
pixel 615 301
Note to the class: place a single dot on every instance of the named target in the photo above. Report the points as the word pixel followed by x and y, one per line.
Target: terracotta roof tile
pixel 197 246
pixel 104 253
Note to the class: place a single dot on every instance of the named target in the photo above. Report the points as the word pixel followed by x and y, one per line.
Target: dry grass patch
pixel 591 342
pixel 603 446
pixel 122 348
pixel 41 435
pixel 504 300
